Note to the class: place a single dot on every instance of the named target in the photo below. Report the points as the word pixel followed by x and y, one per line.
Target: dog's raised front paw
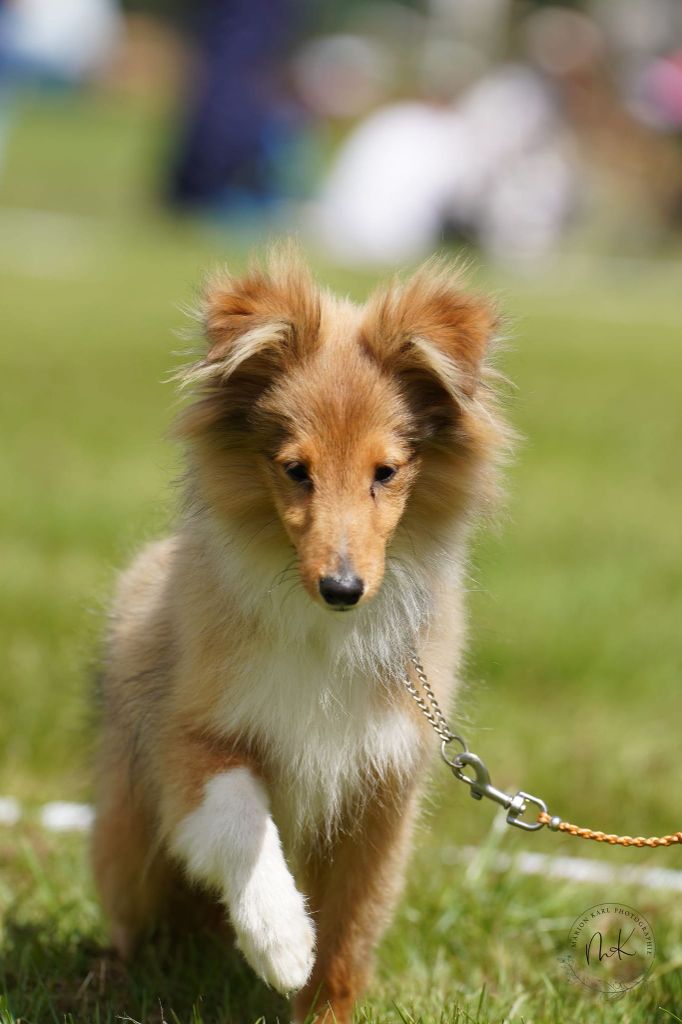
pixel 275 933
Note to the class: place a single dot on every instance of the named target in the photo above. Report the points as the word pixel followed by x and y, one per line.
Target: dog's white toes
pixel 277 937
pixel 285 965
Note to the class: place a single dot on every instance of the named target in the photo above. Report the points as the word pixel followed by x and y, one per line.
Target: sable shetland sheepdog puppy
pixel 257 741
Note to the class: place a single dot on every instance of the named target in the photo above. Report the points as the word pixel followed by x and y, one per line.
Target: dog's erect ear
pixel 275 310
pixel 257 326
pixel 433 336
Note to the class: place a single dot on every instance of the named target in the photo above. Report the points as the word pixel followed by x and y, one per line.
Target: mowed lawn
pixel 573 679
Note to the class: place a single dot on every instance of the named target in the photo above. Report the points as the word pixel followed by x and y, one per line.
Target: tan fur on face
pixel 341 434
pixel 296 376
pixel 222 655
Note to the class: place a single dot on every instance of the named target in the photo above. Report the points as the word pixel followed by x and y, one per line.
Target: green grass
pixel 576 602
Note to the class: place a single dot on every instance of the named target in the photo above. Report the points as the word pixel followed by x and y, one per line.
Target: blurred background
pixel 145 142
pixel 374 129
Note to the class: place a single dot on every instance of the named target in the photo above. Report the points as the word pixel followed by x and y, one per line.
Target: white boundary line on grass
pixel 573 869
pixel 62 816
pixel 59 816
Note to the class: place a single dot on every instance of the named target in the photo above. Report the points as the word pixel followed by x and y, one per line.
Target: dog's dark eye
pixel 382 474
pixel 297 472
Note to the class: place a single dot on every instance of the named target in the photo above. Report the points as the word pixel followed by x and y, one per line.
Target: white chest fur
pixel 327 736
pixel 309 689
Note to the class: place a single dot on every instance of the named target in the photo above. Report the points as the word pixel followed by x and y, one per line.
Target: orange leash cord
pixel 557 825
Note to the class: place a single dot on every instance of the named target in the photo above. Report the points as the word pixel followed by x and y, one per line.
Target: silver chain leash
pixel 479 784
pixel 434 715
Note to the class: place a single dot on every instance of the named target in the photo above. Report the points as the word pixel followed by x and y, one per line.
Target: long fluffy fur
pixel 222 656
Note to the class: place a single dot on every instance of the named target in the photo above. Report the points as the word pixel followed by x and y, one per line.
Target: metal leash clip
pixel 480 786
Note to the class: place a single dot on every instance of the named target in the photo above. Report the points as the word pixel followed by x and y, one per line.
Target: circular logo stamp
pixel 611 948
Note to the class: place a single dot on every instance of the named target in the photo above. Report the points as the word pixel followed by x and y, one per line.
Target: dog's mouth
pixel 339 609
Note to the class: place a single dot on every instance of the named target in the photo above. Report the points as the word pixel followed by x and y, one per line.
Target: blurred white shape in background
pixel 62 816
pixel 497 163
pixel 71 39
pixel 386 193
pixel 10 810
pixel 522 178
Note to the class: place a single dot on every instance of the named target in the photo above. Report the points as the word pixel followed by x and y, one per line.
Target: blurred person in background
pixel 482 150
pixel 240 116
pixel 517 128
pixel 383 128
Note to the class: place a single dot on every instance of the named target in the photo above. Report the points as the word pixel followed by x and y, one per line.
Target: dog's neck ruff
pixel 375 640
pixel 319 693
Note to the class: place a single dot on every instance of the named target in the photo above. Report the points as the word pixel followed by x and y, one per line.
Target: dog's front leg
pixel 354 887
pixel 230 842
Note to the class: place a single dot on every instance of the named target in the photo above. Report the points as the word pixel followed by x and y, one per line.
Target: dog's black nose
pixel 341 591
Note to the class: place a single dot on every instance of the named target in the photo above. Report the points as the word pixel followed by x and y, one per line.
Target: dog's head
pixel 332 425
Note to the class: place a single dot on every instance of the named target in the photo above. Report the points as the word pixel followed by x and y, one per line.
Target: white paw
pixel 231 842
pixel 274 932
